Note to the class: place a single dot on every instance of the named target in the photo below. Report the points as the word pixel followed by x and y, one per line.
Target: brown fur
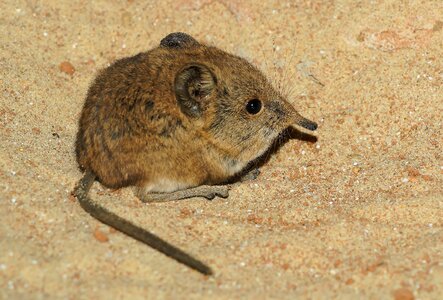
pixel 133 132
pixel 174 118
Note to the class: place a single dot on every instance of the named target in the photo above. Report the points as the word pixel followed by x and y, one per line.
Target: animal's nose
pixel 303 122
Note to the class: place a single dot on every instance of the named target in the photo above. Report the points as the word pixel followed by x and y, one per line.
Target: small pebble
pixel 100 236
pixel 67 67
pixel 403 294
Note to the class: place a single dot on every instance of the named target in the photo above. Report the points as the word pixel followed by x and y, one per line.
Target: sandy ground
pixel 357 213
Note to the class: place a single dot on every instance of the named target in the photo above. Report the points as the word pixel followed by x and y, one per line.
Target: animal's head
pixel 232 102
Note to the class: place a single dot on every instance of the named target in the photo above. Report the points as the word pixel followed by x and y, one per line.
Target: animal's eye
pixel 253 106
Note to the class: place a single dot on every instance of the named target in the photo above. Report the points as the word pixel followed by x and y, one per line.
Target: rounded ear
pixel 193 85
pixel 178 40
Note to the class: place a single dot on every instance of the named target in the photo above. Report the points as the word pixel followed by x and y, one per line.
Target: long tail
pixel 138 233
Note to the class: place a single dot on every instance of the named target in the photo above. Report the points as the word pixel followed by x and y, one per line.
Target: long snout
pixel 303 122
pixel 295 119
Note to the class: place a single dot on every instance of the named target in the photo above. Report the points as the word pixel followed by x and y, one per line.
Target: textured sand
pixel 358 213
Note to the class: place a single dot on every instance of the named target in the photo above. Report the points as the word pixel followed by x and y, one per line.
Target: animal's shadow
pixel 288 134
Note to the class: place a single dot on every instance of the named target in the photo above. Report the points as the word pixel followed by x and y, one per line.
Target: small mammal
pixel 175 122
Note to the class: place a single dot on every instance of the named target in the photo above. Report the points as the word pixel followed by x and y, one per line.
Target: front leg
pixel 251 175
pixel 206 191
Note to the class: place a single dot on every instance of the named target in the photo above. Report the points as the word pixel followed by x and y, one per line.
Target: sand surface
pixel 359 213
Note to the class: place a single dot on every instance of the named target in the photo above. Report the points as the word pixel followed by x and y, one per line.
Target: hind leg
pixel 206 191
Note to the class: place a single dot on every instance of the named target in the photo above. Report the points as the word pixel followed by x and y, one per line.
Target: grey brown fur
pixel 173 123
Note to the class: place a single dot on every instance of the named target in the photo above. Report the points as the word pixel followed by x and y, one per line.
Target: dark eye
pixel 253 106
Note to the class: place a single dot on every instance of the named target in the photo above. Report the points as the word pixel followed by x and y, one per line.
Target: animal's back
pixel 125 113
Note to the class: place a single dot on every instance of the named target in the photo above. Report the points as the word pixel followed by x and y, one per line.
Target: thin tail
pixel 138 233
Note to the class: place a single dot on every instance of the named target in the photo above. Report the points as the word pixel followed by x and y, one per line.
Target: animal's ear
pixel 178 40
pixel 193 86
